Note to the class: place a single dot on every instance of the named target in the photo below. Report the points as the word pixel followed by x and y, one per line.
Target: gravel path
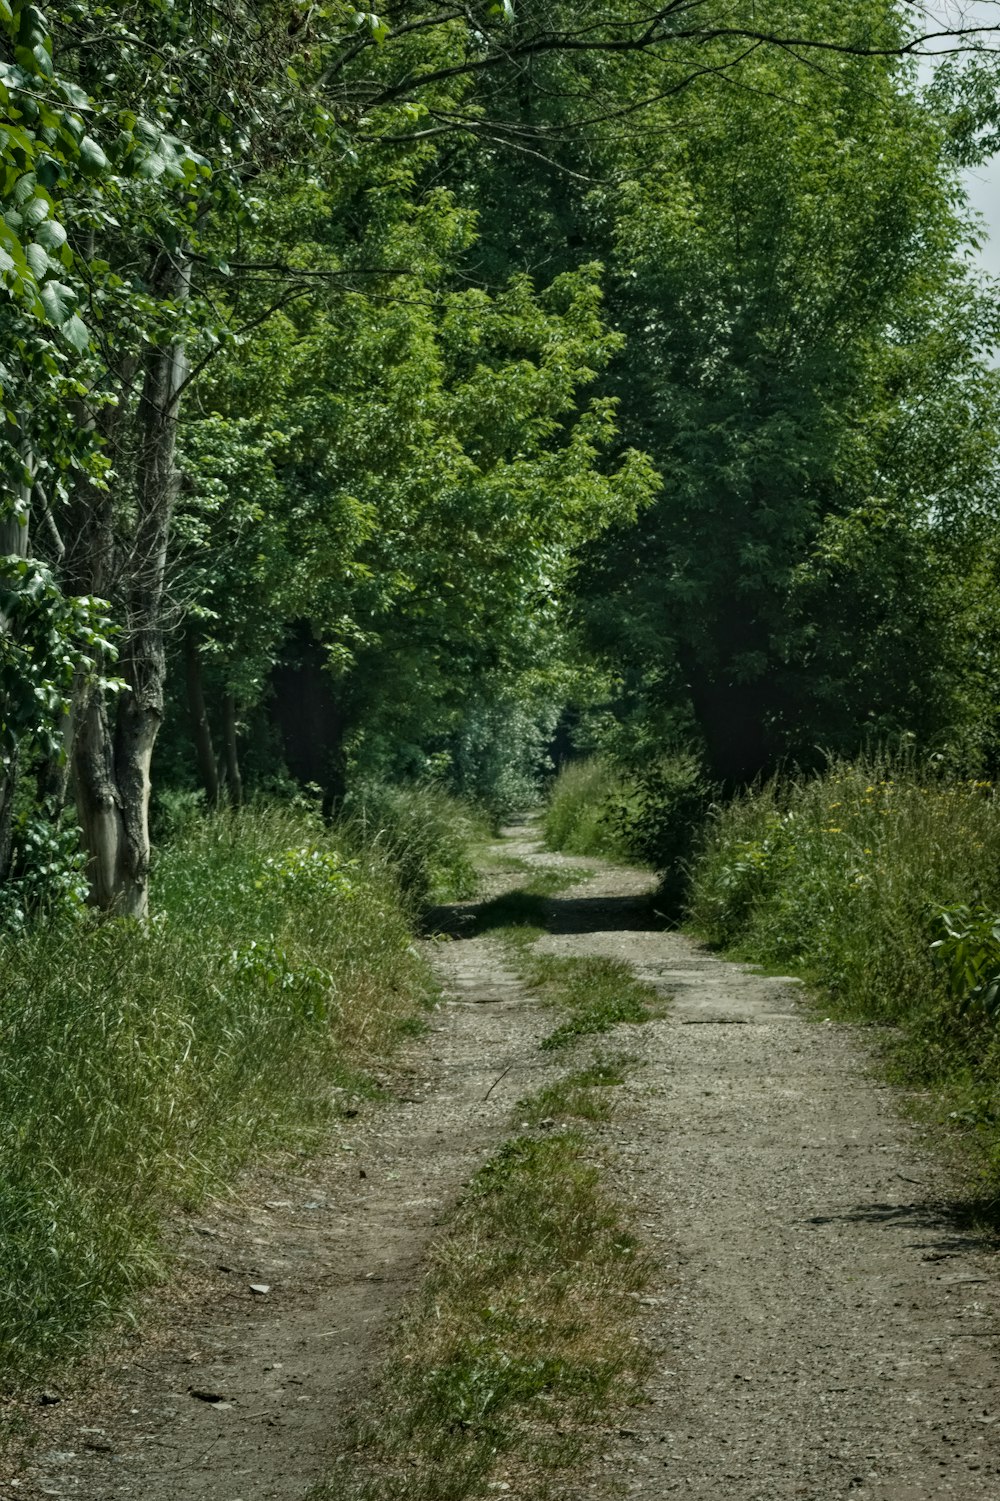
pixel 823 1327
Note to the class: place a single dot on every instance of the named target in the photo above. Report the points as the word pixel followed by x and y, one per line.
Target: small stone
pixel 49 1399
pixel 260 1288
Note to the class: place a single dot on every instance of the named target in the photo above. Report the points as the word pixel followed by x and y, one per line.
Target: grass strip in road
pixel 582 1095
pixel 598 993
pixel 517 1349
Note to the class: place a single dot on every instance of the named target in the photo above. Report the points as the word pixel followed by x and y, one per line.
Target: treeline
pixel 388 393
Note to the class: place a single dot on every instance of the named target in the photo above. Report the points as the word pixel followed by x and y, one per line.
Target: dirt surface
pixel 823 1327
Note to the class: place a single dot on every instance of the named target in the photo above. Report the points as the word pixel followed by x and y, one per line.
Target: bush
pixel 655 815
pixel 140 1066
pixel 661 817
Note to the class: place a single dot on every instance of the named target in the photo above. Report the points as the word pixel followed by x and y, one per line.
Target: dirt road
pixel 823 1326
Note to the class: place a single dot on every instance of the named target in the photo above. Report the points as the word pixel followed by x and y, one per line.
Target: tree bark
pixel 113 754
pixel 234 779
pixel 14 541
pixel 201 732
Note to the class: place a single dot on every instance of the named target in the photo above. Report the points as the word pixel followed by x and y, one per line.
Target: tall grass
pixel 424 832
pixel 578 816
pixel 845 878
pixel 139 1066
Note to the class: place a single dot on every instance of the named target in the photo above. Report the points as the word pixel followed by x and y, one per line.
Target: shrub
pixel 661 816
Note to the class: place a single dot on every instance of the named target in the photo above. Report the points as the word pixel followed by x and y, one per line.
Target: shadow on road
pixel 582 914
pixel 954 1226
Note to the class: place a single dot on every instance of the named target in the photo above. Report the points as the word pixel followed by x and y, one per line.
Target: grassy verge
pixel 518 1347
pixel 882 887
pixel 138 1067
pixel 424 833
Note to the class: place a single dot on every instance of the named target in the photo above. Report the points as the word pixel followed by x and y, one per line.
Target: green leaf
pixel 92 156
pixel 37 259
pixel 58 301
pixel 51 234
pixel 76 334
pixel 42 59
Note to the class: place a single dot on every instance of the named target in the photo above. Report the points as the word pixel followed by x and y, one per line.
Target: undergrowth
pixel 651 814
pixel 578 817
pixel 425 833
pixel 518 1346
pixel 141 1066
pixel 882 885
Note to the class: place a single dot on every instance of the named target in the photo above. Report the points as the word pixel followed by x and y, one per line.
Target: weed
pixel 598 993
pixel 582 1095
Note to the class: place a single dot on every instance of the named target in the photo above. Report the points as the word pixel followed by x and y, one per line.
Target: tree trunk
pixel 112 756
pixel 201 733
pixel 14 538
pixel 233 778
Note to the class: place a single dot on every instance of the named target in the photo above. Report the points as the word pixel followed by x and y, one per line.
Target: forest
pixel 415 402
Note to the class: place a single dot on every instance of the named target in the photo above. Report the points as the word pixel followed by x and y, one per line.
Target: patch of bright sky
pixel 982 182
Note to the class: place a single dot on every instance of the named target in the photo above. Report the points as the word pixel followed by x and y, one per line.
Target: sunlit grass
pixel 519 1344
pixel 578 812
pixel 139 1066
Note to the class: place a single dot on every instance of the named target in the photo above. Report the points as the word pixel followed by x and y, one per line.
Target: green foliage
pixel 45 881
pixel 46 641
pixel 653 813
pixel 139 1068
pixel 969 952
pixel 579 810
pixel 662 815
pixel 805 369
